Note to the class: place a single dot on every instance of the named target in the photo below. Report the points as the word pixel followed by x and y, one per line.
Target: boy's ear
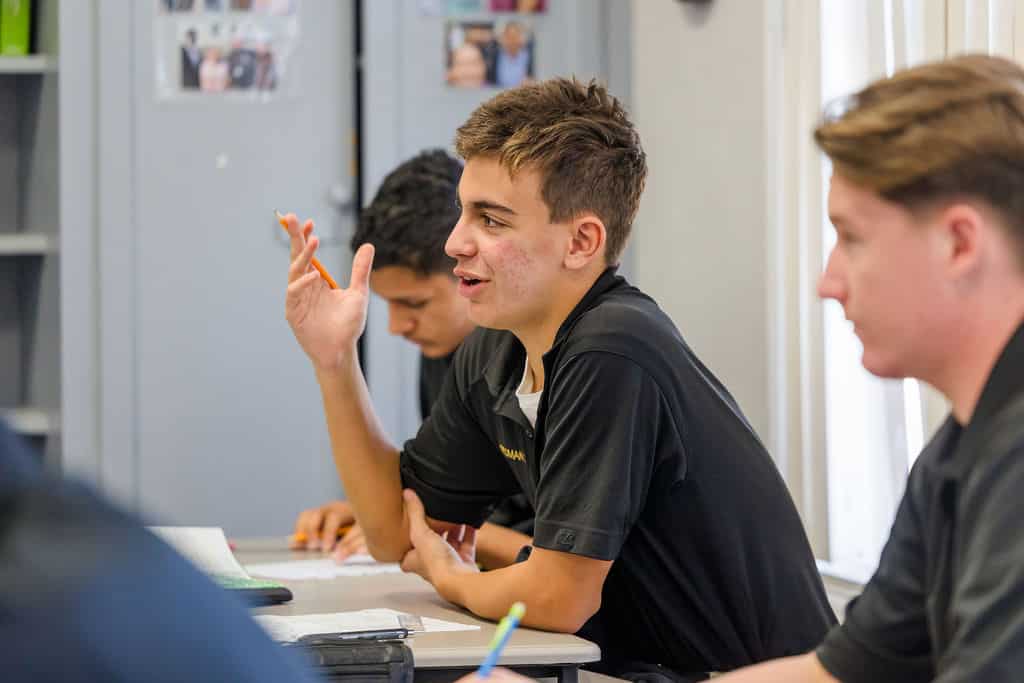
pixel 587 239
pixel 962 233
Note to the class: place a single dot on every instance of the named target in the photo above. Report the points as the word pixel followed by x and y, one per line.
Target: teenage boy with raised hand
pixel 407 223
pixel 662 523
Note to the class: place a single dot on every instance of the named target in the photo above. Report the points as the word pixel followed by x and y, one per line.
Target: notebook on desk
pixel 207 548
pixel 255 592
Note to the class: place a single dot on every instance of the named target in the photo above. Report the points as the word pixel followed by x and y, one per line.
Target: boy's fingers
pixel 417 514
pixel 309 525
pixel 300 530
pixel 296 288
pixel 297 241
pixel 353 543
pixel 362 262
pixel 330 530
pixel 300 266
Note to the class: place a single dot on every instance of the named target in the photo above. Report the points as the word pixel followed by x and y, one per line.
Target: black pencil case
pixel 359 661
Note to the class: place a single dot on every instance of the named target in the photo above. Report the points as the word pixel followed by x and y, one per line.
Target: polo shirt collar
pixel 505 368
pixel 502 375
pixel 1004 384
pixel 607 281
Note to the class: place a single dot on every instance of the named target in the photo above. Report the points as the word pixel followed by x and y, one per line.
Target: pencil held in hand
pixel 301 537
pixel 316 263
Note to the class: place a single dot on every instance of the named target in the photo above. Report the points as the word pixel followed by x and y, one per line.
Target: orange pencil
pixel 316 264
pixel 300 537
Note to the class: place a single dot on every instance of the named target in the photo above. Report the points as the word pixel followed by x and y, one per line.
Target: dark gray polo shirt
pixel 641 456
pixel 947 601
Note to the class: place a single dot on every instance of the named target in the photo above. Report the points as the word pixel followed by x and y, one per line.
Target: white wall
pixel 699 102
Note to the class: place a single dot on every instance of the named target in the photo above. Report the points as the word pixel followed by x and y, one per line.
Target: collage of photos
pixel 488 54
pixel 223 46
pixel 486 45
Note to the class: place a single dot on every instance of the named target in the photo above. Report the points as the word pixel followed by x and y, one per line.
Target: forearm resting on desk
pixel 561 591
pixel 367 462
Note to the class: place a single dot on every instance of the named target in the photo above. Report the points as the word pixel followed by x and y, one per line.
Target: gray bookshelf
pixel 30 330
pixel 19 244
pixel 29 64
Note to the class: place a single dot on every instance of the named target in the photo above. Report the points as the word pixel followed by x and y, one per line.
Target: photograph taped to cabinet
pixel 488 54
pixel 229 49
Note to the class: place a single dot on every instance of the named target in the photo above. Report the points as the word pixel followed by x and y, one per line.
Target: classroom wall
pixel 700 102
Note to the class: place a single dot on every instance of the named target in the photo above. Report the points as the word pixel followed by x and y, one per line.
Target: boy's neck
pixel 538 339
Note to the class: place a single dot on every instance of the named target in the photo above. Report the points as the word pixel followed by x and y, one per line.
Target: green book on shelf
pixel 15 26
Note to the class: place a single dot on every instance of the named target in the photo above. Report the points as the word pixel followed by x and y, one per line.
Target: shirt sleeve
pixel 885 634
pixel 987 642
pixel 451 464
pixel 601 442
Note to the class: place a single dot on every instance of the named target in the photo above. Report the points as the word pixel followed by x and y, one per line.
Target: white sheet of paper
pixel 204 546
pixel 286 629
pixel 324 568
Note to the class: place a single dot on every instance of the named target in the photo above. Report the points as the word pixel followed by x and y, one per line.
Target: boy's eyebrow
pixel 484 205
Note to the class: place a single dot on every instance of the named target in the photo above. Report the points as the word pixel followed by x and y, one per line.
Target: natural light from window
pixel 873 427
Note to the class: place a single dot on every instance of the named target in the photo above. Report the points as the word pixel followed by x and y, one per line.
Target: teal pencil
pixel 501 636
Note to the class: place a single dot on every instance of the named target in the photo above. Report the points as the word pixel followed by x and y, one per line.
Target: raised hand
pixel 326 322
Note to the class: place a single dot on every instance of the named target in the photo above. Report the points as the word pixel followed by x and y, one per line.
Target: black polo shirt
pixel 514 512
pixel 947 601
pixel 432 374
pixel 640 456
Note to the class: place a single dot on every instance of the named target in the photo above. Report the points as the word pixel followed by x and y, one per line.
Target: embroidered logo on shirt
pixel 566 538
pixel 511 454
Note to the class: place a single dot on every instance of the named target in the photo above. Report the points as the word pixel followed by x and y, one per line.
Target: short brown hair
pixel 941 131
pixel 580 140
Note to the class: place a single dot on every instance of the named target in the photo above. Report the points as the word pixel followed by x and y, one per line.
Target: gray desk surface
pixel 409 593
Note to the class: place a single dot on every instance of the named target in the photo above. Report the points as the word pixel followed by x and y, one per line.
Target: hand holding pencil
pixel 327 320
pixel 314 261
pixel 331 528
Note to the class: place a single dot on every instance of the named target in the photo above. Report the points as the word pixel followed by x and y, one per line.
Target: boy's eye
pixel 489 222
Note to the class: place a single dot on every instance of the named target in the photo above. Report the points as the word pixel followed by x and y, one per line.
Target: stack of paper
pixel 323 568
pixel 205 547
pixel 287 629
